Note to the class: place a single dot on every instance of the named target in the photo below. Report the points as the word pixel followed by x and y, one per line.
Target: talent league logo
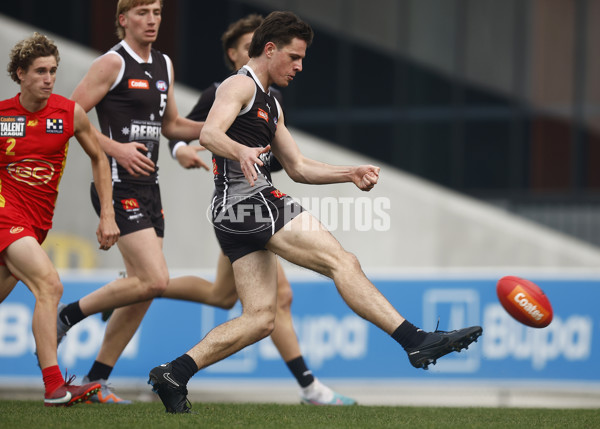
pixel 12 126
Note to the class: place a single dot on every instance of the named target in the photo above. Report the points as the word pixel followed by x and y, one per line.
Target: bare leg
pixel 7 282
pixel 27 261
pixel 256 277
pixel 284 335
pixel 305 242
pixel 147 275
pixel 220 294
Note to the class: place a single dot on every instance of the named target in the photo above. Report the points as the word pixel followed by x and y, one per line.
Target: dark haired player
pixel 243 125
pixel 222 293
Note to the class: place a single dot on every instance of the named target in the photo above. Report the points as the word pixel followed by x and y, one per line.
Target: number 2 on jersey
pixel 11 146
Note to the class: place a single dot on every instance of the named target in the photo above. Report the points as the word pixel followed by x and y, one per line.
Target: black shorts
pixel 248 224
pixel 136 206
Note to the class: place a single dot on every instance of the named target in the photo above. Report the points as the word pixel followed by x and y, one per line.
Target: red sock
pixel 53 379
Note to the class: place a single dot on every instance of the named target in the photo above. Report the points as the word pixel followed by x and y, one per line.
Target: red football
pixel 525 301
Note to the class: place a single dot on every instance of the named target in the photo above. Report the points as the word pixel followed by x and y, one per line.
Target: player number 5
pixel 163 104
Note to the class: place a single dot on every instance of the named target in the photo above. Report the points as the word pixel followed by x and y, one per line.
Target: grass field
pixel 33 415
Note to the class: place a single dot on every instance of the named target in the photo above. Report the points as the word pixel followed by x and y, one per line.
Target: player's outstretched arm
pixel 108 231
pixel 305 170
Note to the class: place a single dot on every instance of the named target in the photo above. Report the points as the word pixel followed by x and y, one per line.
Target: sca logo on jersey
pixel 161 85
pixel 31 171
pixel 138 84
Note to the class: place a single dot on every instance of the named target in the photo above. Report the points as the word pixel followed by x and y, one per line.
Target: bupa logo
pixel 161 85
pixel 31 171
pixel 138 84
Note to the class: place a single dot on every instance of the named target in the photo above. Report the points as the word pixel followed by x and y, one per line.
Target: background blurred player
pixel 36 126
pixel 131 87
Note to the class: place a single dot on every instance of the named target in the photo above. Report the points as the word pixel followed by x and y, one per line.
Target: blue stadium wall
pixel 337 343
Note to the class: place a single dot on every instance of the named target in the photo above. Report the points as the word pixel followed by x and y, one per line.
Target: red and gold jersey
pixel 33 151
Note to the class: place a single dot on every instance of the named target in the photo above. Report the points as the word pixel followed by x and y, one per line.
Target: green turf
pixel 33 415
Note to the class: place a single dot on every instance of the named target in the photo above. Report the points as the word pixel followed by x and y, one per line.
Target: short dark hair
pixel 24 53
pixel 235 31
pixel 280 28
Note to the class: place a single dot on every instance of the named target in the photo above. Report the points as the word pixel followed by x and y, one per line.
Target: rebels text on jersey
pixel 133 109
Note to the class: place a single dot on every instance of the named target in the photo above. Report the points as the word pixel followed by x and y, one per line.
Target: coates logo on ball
pixel 525 301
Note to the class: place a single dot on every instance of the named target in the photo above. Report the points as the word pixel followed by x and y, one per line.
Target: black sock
pixel 301 371
pixel 72 314
pixel 408 335
pixel 184 368
pixel 99 371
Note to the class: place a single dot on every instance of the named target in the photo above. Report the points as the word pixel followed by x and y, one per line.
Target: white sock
pixel 317 391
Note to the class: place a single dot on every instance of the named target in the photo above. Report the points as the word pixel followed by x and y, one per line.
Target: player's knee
pixel 263 323
pixel 155 287
pixel 50 289
pixel 284 296
pixel 346 262
pixel 227 301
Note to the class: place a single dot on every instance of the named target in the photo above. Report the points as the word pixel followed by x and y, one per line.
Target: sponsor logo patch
pixel 263 114
pixel 34 172
pixel 138 84
pixel 12 126
pixel 528 304
pixel 277 193
pixel 54 126
pixel 161 85
pixel 16 229
pixel 130 204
